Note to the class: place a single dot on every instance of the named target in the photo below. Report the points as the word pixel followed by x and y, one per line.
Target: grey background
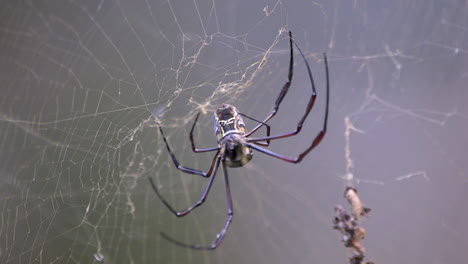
pixel 83 83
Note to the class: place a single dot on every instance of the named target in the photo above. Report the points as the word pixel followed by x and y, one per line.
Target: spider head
pixel 227 121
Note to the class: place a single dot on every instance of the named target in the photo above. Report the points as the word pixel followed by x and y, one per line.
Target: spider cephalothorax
pixel 227 121
pixel 235 145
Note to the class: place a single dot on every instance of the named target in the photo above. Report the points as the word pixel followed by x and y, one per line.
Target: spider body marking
pixel 230 132
pixel 235 146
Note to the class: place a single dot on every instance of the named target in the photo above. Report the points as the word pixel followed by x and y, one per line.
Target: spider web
pixel 84 83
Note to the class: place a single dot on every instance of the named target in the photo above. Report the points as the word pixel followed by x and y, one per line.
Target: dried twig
pixel 348 226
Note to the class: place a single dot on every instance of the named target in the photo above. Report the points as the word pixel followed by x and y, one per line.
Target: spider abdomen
pixel 236 153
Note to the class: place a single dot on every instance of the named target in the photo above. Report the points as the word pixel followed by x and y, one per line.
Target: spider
pixel 235 146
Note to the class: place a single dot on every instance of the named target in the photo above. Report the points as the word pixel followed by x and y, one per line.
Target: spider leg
pixel 315 143
pixel 316 140
pixel 193 143
pixel 230 210
pixel 309 108
pixel 211 173
pixel 220 236
pixel 176 163
pixel 268 129
pixel 285 89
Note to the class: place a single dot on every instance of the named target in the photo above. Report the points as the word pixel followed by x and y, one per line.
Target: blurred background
pixel 84 83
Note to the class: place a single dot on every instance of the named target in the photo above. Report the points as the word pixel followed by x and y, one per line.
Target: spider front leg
pixel 283 92
pixel 310 104
pixel 318 138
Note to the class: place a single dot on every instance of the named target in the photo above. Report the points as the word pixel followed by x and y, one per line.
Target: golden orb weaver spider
pixel 235 146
